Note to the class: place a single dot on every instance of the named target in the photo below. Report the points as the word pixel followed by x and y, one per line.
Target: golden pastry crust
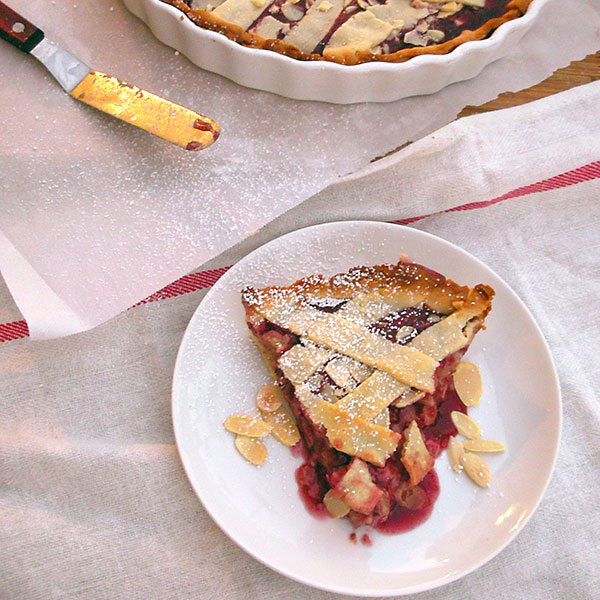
pixel 345 55
pixel 305 308
pixel 404 283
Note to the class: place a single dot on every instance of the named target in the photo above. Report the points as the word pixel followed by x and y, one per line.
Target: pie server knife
pixel 147 111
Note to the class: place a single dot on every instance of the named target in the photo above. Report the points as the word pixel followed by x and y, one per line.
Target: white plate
pixel 323 80
pixel 219 371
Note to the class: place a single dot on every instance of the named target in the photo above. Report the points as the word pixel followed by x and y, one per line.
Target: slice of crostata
pixel 365 360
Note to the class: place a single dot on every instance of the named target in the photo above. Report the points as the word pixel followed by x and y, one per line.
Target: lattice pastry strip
pixel 373 395
pixel 343 335
pixel 240 12
pixel 348 433
pixel 380 390
pixel 351 339
pixel 405 364
pixel 443 338
pixel 300 362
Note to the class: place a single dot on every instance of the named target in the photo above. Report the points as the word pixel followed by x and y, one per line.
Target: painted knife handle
pixel 17 30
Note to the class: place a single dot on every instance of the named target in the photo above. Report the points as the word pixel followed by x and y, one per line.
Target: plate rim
pixel 430 585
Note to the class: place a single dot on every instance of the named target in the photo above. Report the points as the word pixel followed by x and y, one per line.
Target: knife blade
pixel 129 103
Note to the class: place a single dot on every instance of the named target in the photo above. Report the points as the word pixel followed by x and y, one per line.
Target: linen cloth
pixel 103 215
pixel 94 503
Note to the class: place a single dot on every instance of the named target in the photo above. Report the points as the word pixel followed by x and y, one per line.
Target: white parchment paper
pixel 104 214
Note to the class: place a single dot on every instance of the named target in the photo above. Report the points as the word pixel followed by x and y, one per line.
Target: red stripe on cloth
pixel 585 173
pixel 186 284
pixel 203 279
pixel 13 331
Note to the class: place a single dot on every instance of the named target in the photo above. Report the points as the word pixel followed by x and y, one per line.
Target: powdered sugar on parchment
pixel 108 214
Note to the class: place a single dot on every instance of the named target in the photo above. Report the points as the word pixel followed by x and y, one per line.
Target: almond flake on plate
pixel 268 399
pixel 465 425
pixel 483 446
pixel 247 426
pixel 467 382
pixel 251 449
pixel 283 429
pixel 455 454
pixel 476 469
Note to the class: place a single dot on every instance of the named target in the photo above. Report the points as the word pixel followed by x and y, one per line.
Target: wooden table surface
pixel 577 73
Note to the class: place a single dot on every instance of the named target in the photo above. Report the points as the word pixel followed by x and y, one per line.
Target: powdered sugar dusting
pixel 108 214
pixel 270 502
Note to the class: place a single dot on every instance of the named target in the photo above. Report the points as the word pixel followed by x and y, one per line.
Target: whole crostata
pixel 352 31
pixel 366 363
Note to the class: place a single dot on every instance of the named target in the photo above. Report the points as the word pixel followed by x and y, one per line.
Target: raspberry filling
pixel 402 505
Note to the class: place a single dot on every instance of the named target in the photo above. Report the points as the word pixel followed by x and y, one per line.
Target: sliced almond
pixel 268 399
pixel 283 429
pixel 484 446
pixel 335 507
pixel 476 469
pixel 247 425
pixel 467 382
pixel 465 425
pixel 251 449
pixel 455 454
